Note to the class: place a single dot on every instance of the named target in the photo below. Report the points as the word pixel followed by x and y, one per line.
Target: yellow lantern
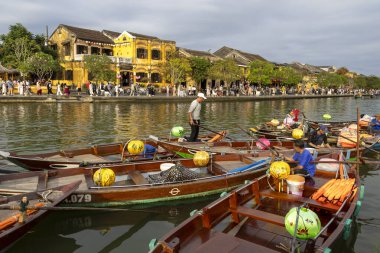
pixel 135 147
pixel 297 133
pixel 279 170
pixel 104 177
pixel 275 122
pixel 201 158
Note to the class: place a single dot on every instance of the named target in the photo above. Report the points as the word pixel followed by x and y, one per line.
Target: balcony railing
pixel 123 60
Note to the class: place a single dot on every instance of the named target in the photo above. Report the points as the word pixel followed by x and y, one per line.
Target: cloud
pixel 340 33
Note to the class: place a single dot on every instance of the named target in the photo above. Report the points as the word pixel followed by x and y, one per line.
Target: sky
pixel 318 32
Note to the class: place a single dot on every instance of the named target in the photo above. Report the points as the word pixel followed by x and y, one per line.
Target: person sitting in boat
pixel 23 208
pixel 375 124
pixel 318 138
pixel 291 119
pixel 303 157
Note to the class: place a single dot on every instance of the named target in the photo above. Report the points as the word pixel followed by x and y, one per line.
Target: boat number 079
pixel 78 198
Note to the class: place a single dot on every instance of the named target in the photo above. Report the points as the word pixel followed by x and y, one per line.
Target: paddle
pixel 257 139
pixel 212 131
pixel 59 208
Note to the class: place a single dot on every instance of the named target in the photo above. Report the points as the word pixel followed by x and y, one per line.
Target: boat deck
pixel 78 158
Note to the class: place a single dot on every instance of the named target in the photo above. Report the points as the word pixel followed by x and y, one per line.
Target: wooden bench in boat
pixel 221 242
pixel 137 177
pixel 261 215
pixel 295 198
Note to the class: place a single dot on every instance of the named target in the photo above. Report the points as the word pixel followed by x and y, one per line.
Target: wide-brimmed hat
pixel 201 95
pixel 377 115
pixel 324 128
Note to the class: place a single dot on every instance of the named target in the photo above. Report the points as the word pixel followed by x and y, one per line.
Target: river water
pixel 38 127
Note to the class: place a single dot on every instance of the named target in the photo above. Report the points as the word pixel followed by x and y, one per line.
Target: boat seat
pixel 295 198
pixel 261 215
pixel 137 177
pixel 221 242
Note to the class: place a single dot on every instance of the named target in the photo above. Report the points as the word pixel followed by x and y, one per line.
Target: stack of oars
pixel 335 191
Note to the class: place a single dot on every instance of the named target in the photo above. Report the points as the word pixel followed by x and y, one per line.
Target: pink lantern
pixel 262 141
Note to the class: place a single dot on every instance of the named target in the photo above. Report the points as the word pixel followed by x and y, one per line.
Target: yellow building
pixel 135 57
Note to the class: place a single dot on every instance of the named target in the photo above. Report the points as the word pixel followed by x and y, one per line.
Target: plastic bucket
pixel 295 184
pixel 166 166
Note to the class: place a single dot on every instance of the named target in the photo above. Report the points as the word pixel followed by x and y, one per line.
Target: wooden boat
pixel 11 229
pixel 109 153
pixel 134 184
pixel 188 149
pixel 251 219
pixel 98 154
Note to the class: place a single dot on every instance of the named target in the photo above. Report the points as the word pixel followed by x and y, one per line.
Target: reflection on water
pixel 33 128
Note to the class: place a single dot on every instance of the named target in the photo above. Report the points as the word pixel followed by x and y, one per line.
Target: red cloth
pixel 296 112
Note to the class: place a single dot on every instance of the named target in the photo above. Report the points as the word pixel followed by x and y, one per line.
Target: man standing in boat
pixel 194 116
pixel 303 157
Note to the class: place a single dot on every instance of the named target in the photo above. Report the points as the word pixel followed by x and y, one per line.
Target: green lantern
pixel 309 224
pixel 177 131
pixel 326 116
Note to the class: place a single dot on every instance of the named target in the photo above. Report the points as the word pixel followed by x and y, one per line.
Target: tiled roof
pixel 197 53
pixel 88 35
pixel 224 51
pixel 3 69
pixel 137 35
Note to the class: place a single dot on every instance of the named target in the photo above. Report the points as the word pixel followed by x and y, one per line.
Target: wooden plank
pixel 222 242
pixel 137 178
pixel 261 215
pixel 295 198
pixel 42 181
pixel 230 165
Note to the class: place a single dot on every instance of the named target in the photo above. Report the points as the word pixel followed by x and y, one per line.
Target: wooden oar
pixel 61 208
pixel 212 131
pixel 257 139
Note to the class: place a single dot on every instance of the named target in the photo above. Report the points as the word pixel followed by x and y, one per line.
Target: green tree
pixel 199 69
pixel 326 79
pixel 99 66
pixel 287 75
pixel 342 71
pixel 175 68
pixel 41 64
pixel 17 46
pixel 226 70
pixel 373 82
pixel 360 82
pixel 261 72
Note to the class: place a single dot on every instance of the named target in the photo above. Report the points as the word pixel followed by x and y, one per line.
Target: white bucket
pixel 295 184
pixel 166 166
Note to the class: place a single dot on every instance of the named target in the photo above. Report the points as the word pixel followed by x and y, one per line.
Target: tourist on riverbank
pixel 49 88
pixel 66 90
pixel 10 87
pixel 59 89
pixel 39 89
pixel 195 116
pixel 4 90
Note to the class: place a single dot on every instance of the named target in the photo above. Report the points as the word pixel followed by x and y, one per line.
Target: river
pixel 38 127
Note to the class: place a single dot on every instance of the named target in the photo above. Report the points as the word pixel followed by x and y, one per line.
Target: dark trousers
pixel 194 131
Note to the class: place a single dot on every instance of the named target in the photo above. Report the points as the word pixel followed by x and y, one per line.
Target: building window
pixel 156 54
pixel 57 75
pixel 156 78
pixel 107 51
pixel 142 53
pixel 67 49
pixel 69 75
pixel 142 77
pixel 54 47
pixel 82 49
pixel 95 50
